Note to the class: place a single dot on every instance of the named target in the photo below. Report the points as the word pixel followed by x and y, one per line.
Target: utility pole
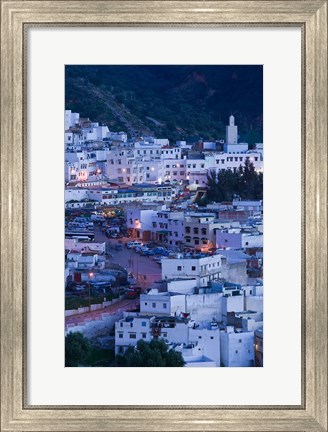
pixel 90 275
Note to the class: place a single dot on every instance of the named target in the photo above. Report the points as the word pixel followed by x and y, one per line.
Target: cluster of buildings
pixel 108 168
pixel 217 325
pixel 237 225
pixel 209 302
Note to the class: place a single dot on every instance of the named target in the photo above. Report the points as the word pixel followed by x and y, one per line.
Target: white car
pixel 134 244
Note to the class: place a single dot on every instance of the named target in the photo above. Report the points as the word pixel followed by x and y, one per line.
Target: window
pixel 120 335
pixel 199 337
pixel 236 351
pixel 212 337
pixel 249 351
pixel 164 305
pixel 133 336
pixel 144 335
pixel 193 268
pixel 121 324
pixel 131 324
pixel 143 323
pixel 146 303
pixel 153 305
pixel 164 334
pixel 239 341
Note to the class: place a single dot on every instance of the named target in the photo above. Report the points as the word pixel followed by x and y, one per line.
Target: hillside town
pixel 151 256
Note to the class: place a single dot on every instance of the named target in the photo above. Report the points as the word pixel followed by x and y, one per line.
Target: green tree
pixel 245 182
pixel 77 350
pixel 150 354
pixel 213 190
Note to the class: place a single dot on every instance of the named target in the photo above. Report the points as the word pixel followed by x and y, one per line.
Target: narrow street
pixel 144 269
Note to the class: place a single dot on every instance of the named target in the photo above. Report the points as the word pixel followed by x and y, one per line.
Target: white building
pixel 203 270
pixel 175 236
pixel 81 165
pixel 237 348
pixel 71 119
pixel 118 136
pixel 75 245
pixel 236 239
pixel 174 170
pixel 231 145
pixel 254 206
pixel 134 327
pixel 164 303
pixel 139 222
pixel 231 131
pixel 199 345
pixel 167 226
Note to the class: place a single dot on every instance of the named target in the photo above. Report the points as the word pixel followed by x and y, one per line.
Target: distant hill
pixel 178 102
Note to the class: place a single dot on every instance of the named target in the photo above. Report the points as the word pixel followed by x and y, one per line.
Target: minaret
pixel 231 131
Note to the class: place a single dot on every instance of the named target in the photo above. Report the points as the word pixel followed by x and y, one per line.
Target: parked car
pixel 134 244
pixel 133 293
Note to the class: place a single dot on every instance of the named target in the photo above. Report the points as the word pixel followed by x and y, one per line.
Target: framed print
pixel 85 86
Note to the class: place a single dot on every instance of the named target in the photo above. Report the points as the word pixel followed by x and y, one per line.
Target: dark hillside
pixel 177 102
